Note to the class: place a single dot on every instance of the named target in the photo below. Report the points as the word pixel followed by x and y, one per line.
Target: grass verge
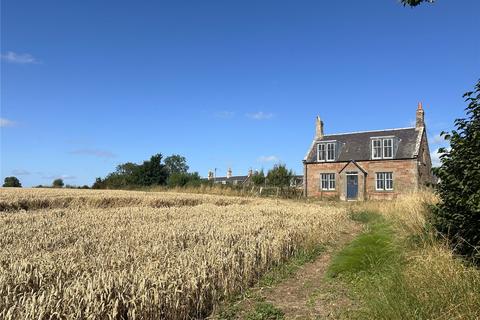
pixel 393 277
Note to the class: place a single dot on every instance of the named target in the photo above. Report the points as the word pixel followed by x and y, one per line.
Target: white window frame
pixel 373 148
pixel 328 151
pixel 391 148
pixel 382 147
pixel 324 152
pixel 330 181
pixel 386 180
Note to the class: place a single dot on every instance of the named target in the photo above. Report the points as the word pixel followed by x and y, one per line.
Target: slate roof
pixel 231 179
pixel 357 145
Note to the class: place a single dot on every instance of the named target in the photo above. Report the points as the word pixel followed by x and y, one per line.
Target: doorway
pixel 352 186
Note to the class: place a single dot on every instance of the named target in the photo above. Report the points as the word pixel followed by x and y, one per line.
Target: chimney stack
pixel 250 172
pixel 229 173
pixel 318 128
pixel 420 118
pixel 210 175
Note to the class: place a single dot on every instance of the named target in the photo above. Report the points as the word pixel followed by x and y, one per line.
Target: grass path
pixel 308 294
pixel 299 289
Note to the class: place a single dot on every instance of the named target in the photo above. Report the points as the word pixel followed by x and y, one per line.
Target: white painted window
pixel 330 151
pixel 376 149
pixel 388 148
pixel 328 181
pixel 382 148
pixel 321 152
pixel 384 181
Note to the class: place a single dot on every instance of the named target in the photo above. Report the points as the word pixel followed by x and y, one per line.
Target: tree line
pixel 173 172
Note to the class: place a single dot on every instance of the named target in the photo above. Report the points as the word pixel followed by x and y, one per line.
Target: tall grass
pixel 409 273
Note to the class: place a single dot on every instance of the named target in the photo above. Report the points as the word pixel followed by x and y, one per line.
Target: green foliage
pixel 99 184
pixel 372 252
pixel 176 164
pixel 258 178
pixel 184 179
pixel 279 176
pixel 128 175
pixel 12 182
pixel 414 3
pixel 265 311
pixel 57 183
pixel 457 216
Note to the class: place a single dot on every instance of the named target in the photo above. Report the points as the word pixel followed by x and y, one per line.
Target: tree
pixel 414 3
pixel 176 164
pixel 12 182
pixel 458 214
pixel 181 179
pixel 98 184
pixel 279 176
pixel 57 183
pixel 153 172
pixel 258 178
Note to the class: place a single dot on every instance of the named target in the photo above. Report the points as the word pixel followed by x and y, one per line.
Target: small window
pixel 321 152
pixel 388 148
pixel 376 149
pixel 384 181
pixel 328 181
pixel 330 151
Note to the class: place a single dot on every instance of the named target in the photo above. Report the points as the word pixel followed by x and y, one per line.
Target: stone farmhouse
pixel 368 165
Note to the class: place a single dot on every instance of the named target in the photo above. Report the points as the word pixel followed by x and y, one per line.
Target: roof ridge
pixel 355 132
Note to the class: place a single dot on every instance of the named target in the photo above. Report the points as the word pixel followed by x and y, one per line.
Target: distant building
pixel 230 178
pixel 368 165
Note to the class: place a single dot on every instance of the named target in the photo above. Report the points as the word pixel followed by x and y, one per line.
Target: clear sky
pixel 86 85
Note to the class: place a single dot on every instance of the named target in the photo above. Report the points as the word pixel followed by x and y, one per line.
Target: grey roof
pixel 357 145
pixel 231 179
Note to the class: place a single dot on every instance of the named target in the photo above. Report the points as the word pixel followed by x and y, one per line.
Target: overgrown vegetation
pixel 398 269
pixel 457 216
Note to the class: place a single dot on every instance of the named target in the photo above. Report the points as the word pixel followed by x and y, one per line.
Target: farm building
pixel 230 178
pixel 368 165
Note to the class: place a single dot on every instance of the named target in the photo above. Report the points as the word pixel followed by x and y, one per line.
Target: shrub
pixel 458 214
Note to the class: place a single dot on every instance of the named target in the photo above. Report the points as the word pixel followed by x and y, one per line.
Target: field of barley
pixel 89 254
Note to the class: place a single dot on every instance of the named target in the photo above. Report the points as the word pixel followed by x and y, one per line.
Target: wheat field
pixel 89 254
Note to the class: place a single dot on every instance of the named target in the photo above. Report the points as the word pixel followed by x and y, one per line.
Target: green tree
pixel 12 182
pixel 458 214
pixel 153 172
pixel 182 179
pixel 414 3
pixel 258 178
pixel 176 164
pixel 57 183
pixel 279 176
pixel 98 184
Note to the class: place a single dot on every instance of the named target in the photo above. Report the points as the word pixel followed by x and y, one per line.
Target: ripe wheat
pixel 84 254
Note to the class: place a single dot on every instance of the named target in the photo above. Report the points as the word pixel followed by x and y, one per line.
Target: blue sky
pixel 86 85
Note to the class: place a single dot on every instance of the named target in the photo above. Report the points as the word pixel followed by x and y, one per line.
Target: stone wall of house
pixel 313 186
pixel 425 175
pixel 405 178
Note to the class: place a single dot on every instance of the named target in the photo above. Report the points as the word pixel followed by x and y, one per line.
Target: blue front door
pixel 352 186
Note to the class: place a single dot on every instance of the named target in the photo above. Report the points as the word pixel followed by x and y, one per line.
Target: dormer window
pixel 388 148
pixel 326 151
pixel 382 148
